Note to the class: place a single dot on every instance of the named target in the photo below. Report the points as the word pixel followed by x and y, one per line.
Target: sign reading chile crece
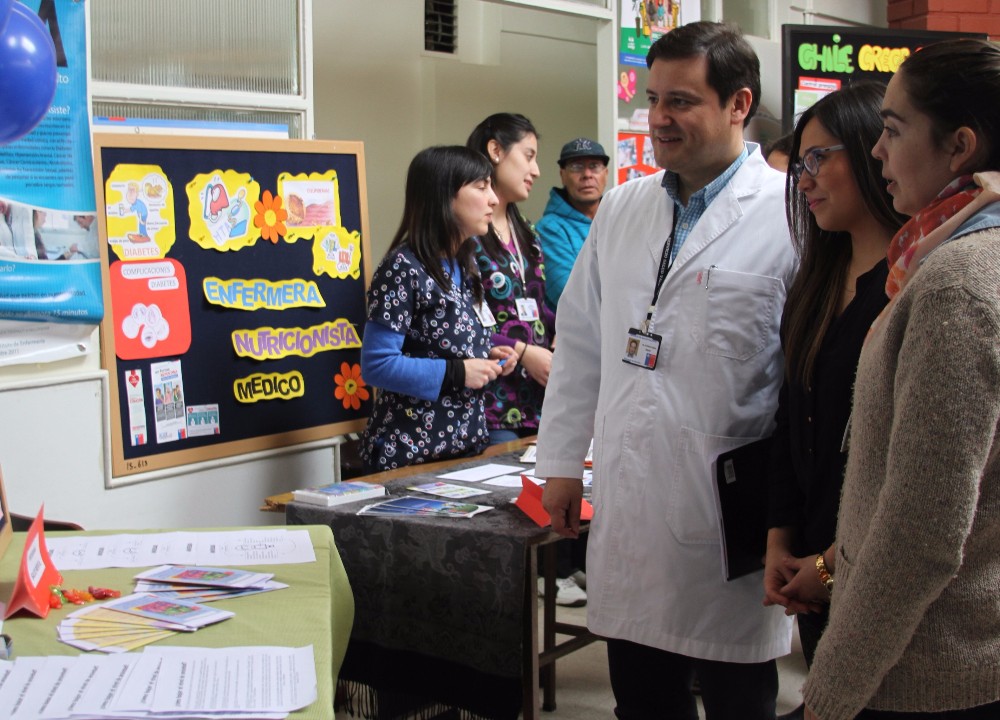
pixel 819 59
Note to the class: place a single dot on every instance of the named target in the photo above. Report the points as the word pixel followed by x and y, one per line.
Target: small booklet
pixel 338 493
pixel 424 507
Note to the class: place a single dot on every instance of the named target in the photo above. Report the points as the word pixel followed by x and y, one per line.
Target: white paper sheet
pixel 512 481
pixel 226 547
pixel 252 679
pixel 482 472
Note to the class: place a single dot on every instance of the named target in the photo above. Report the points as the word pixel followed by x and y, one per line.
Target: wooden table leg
pixel 548 671
pixel 529 680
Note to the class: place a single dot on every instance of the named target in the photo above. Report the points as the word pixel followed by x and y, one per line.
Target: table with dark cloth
pixel 443 609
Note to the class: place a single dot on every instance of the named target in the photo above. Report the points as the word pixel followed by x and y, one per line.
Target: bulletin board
pixel 819 59
pixel 234 277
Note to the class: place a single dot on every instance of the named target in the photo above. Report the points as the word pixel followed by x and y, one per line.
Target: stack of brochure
pixel 413 505
pixel 338 493
pixel 133 621
pixel 203 584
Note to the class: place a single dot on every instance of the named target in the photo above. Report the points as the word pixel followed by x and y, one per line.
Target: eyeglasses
pixel 810 162
pixel 595 166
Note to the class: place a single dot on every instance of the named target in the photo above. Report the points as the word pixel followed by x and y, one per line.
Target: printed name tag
pixel 484 314
pixel 527 309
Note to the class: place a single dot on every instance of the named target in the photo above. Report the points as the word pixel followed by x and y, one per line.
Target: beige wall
pixel 398 99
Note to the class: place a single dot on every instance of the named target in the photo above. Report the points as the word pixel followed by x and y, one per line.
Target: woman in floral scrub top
pixel 512 269
pixel 424 345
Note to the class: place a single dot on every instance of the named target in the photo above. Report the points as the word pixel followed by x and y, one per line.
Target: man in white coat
pixel 691 265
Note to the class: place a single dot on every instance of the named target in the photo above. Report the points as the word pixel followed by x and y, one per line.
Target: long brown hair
pixel 506 129
pixel 852 115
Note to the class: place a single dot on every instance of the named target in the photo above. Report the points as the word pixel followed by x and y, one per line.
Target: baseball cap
pixel 582 147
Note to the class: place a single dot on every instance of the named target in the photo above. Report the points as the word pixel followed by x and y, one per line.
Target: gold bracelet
pixel 824 575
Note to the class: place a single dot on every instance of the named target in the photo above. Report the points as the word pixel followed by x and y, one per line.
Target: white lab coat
pixel 654 564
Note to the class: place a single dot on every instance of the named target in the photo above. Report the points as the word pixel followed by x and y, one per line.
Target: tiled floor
pixel 583 691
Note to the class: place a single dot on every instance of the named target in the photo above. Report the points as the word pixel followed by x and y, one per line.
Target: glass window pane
pixel 246 45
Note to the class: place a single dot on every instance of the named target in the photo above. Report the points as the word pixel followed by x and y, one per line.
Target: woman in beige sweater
pixel 914 628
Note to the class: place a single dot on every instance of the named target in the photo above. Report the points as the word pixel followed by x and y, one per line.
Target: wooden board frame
pixel 240 148
pixel 6 529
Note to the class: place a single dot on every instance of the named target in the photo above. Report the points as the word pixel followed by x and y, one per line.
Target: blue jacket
pixel 562 230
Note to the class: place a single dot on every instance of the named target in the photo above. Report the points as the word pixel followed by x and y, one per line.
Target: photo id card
pixel 527 309
pixel 484 314
pixel 642 349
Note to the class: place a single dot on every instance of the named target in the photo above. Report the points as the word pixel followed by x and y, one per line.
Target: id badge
pixel 484 314
pixel 642 349
pixel 527 309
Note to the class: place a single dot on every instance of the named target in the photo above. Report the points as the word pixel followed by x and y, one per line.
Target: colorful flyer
pixel 220 204
pixel 168 401
pixel 202 420
pixel 136 397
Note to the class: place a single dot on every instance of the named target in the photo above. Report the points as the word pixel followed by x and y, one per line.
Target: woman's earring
pixel 496 159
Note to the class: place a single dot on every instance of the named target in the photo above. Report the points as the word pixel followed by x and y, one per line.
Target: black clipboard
pixel 741 487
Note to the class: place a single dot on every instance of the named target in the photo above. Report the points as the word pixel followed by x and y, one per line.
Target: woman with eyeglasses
pixel 841 218
pixel 510 263
pixel 914 629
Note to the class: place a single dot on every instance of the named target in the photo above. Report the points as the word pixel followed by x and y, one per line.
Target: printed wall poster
pixel 49 260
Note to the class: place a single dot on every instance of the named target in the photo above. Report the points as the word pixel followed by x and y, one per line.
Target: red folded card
pixel 35 575
pixel 530 501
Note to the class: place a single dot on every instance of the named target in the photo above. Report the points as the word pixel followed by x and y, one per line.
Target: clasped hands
pixel 792 582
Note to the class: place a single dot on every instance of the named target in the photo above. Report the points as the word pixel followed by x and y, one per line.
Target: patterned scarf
pixel 933 226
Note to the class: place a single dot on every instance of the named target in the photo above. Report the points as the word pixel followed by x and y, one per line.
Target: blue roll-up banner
pixel 50 272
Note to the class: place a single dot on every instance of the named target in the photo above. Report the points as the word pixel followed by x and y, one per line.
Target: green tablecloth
pixel 316 609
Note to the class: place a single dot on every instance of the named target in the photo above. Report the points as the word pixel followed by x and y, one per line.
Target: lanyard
pixel 666 262
pixel 515 255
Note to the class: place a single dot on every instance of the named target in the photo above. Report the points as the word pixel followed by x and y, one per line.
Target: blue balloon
pixel 5 6
pixel 27 73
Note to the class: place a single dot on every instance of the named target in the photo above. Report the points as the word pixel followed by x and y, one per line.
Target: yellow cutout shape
pixel 220 207
pixel 267 343
pixel 139 208
pixel 259 294
pixel 337 253
pixel 312 202
pixel 269 386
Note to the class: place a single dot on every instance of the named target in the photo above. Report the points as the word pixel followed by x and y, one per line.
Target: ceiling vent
pixel 440 26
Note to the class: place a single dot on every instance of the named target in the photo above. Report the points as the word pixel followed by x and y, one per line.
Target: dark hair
pixel 732 62
pixel 957 83
pixel 429 227
pixel 506 129
pixel 852 115
pixel 781 144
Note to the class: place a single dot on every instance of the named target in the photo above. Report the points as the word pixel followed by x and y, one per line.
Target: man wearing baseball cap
pixel 583 168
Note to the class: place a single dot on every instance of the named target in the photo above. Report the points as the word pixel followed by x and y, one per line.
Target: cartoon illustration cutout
pixel 140 212
pixel 220 204
pixel 337 253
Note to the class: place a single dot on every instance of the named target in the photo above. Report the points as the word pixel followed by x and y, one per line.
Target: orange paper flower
pixel 270 216
pixel 350 387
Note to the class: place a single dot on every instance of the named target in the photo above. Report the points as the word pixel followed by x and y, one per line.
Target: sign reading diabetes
pixel 819 59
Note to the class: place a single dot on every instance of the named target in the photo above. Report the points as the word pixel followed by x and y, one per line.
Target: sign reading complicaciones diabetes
pixel 235 276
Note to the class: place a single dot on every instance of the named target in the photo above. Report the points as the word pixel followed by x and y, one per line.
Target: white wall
pixel 380 87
